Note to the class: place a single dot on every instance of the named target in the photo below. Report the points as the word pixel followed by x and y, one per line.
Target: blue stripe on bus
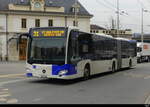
pixel 29 75
pixel 34 66
pixel 70 68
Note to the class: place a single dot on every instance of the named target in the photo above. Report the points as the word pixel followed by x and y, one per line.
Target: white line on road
pixel 147 77
pixel 147 101
pixel 5 95
pixel 12 101
pixel 12 81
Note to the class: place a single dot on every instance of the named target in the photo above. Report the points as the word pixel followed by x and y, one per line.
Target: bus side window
pixel 74 40
pixel 85 48
pixel 85 45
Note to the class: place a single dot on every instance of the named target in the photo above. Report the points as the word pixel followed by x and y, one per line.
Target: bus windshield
pixel 47 51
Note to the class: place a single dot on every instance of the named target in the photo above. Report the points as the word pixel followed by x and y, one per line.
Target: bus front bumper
pixel 63 77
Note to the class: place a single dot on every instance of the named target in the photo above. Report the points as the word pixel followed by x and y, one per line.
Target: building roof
pixel 67 4
pixel 96 27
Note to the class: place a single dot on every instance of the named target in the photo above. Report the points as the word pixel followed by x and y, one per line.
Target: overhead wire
pixel 112 7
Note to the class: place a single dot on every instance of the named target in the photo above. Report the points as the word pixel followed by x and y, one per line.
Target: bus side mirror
pixel 20 38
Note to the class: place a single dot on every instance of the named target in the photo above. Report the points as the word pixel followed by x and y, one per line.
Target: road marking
pixel 11 75
pixel 5 89
pixel 12 101
pixel 147 101
pixel 37 99
pixel 147 77
pixel 5 95
pixel 12 81
pixel 3 99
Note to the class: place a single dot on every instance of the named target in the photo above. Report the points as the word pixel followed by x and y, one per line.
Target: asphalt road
pixel 125 87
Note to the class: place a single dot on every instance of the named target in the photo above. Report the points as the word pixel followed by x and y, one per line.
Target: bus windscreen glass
pixel 48 47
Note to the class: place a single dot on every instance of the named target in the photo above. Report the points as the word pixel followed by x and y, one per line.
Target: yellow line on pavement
pixel 11 75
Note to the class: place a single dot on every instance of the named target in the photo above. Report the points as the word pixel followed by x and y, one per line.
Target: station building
pixel 18 16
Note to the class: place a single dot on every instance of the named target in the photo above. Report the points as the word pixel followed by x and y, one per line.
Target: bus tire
pixel 130 64
pixel 148 59
pixel 87 72
pixel 114 67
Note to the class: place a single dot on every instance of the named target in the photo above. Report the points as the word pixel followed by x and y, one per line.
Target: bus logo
pixel 44 71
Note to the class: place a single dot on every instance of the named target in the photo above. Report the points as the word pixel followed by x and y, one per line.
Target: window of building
pixel 50 22
pixel 37 22
pixel 75 9
pixel 24 23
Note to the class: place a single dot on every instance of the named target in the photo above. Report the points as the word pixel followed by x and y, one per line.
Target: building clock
pixel 37 4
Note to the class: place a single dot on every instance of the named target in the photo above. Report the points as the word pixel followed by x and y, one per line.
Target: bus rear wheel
pixel 86 72
pixel 130 64
pixel 113 67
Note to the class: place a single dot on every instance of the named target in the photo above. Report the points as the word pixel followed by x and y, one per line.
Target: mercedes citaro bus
pixel 68 53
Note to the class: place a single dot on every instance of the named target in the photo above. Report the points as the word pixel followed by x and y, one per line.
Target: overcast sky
pixel 104 11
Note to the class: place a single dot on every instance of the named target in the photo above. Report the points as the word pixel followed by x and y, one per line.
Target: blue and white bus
pixel 68 53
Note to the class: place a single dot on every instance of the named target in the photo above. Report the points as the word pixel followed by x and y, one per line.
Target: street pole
pixel 142 26
pixel 6 37
pixel 76 19
pixel 118 42
pixel 118 18
pixel 142 29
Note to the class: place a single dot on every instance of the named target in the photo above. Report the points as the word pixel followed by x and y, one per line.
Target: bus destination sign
pixel 48 33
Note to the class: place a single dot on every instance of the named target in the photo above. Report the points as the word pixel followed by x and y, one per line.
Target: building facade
pixel 137 37
pixel 18 16
pixel 127 33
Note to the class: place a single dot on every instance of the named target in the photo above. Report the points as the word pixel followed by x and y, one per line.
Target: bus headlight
pixel 61 73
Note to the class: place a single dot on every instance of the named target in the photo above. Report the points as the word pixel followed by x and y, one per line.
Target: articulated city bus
pixel 68 53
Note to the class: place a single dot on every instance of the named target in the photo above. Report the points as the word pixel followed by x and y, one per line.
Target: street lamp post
pixel 76 7
pixel 142 26
pixel 118 18
pixel 142 29
pixel 6 58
